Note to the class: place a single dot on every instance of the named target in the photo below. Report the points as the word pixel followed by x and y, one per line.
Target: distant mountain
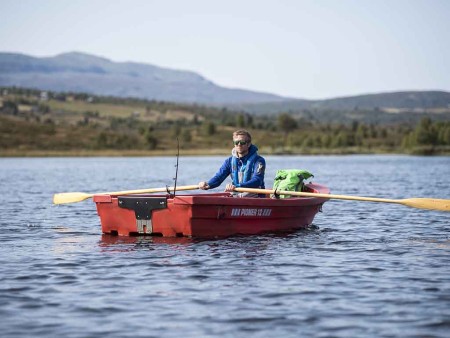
pixel 79 72
pixel 411 101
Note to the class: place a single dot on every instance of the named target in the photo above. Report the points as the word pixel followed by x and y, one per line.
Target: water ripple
pixel 362 270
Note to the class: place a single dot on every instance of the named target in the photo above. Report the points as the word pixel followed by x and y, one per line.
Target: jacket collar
pixel 253 149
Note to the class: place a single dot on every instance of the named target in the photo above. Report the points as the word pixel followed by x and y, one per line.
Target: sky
pixel 310 49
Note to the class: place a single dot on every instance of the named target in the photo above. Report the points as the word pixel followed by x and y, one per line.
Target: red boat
pixel 206 215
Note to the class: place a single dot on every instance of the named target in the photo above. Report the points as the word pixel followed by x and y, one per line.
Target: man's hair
pixel 244 133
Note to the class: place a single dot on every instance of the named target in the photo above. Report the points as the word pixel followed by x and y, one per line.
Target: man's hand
pixel 230 187
pixel 203 185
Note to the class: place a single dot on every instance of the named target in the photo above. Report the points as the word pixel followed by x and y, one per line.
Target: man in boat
pixel 245 167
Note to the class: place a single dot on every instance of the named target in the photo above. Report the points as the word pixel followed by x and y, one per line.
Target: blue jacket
pixel 251 167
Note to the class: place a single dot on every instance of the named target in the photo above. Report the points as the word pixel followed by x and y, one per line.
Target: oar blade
pixel 427 203
pixel 70 197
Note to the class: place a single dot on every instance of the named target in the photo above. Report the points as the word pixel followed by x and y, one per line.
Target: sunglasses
pixel 241 143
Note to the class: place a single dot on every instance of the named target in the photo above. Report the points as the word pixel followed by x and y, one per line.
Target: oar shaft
pixel 422 203
pixel 342 197
pixel 313 194
pixel 144 191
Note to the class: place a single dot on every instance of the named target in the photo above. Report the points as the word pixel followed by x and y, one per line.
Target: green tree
pixel 240 121
pixel 425 133
pixel 209 128
pixel 286 123
pixel 309 141
pixel 176 130
pixel 151 140
pixel 444 133
pixel 102 140
pixel 43 108
pixel 10 108
pixel 186 135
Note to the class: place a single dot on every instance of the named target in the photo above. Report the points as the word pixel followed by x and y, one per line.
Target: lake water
pixel 365 269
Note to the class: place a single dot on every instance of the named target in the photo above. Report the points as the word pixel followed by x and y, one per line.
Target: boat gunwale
pixel 225 198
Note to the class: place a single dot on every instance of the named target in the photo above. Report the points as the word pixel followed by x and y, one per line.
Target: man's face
pixel 241 144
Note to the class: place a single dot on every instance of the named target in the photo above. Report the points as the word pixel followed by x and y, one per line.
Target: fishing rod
pixel 176 170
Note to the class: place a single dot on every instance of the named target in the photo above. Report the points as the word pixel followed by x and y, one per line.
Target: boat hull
pixel 205 215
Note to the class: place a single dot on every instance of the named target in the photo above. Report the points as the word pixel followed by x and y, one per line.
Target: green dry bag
pixel 290 180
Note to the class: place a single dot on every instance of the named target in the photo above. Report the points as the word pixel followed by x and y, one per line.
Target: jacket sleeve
pixel 221 175
pixel 257 179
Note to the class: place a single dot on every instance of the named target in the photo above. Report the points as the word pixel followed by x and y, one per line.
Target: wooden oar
pixel 421 203
pixel 72 197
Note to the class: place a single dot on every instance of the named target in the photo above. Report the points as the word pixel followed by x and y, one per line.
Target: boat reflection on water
pixel 256 243
pixel 127 243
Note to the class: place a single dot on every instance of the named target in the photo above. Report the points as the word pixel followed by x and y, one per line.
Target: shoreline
pixel 214 152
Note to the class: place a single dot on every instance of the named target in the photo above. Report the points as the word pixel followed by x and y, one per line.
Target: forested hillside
pixel 387 103
pixel 34 122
